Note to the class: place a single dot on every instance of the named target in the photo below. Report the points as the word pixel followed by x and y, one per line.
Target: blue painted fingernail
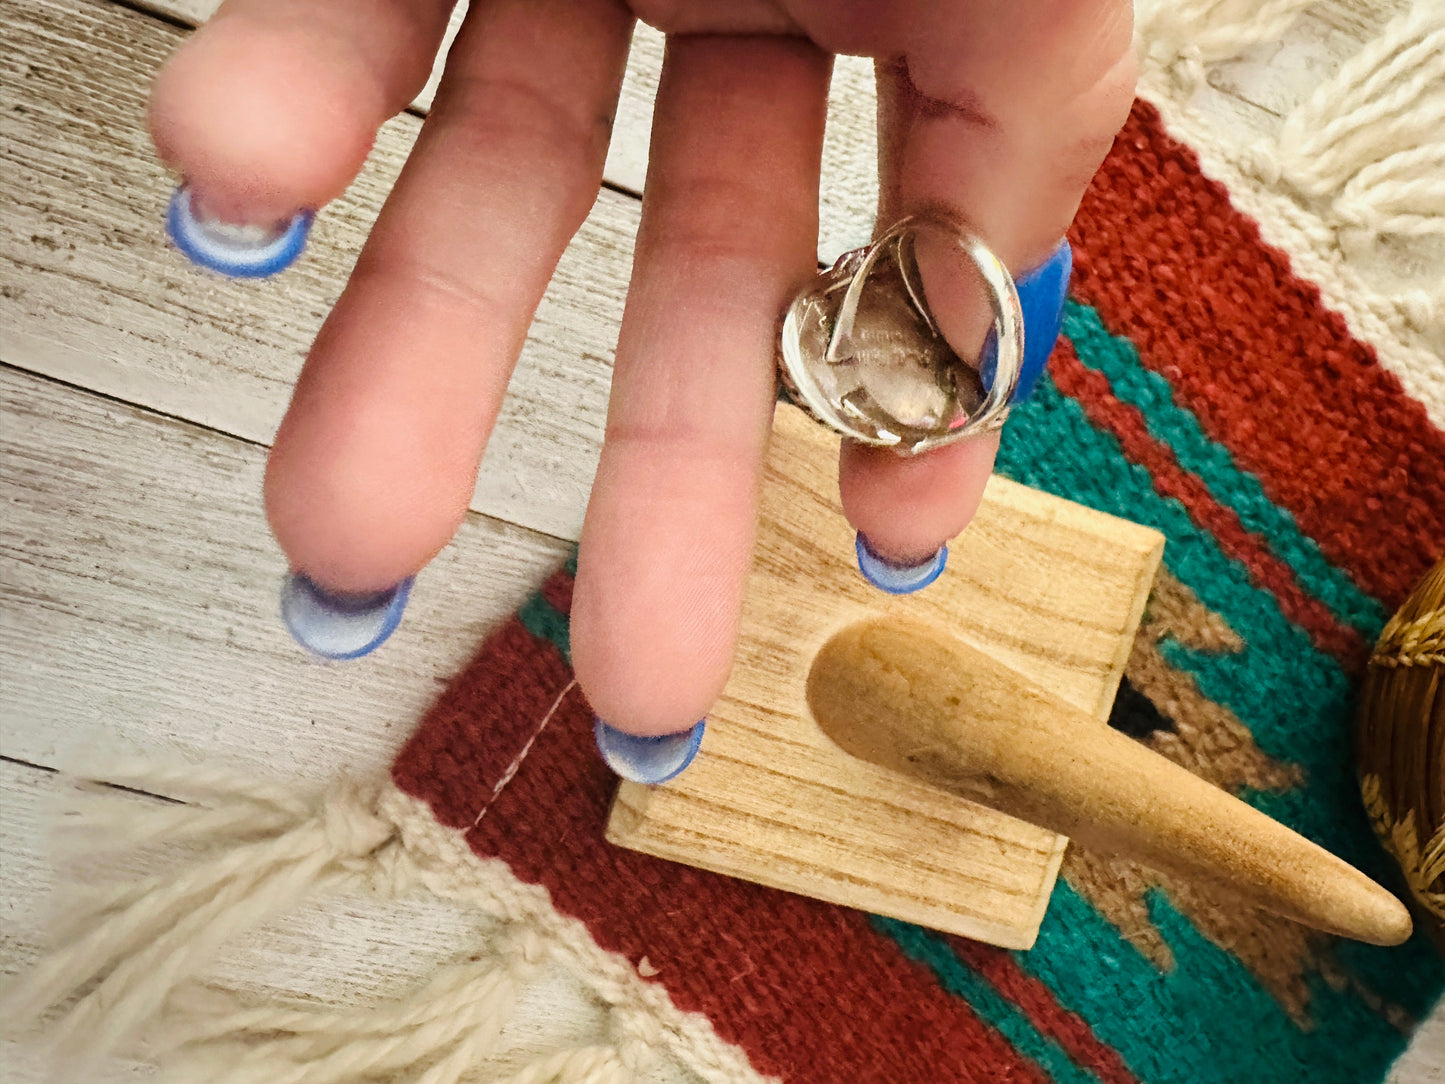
pixel 1041 296
pixel 335 626
pixel 648 760
pixel 894 578
pixel 244 252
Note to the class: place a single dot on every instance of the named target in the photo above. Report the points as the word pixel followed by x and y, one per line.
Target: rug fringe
pixel 1184 37
pixel 132 946
pixel 1369 143
pixel 123 977
pixel 1351 181
pixel 1371 139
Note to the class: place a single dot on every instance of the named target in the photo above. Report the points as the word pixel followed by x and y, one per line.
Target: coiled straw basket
pixel 1402 745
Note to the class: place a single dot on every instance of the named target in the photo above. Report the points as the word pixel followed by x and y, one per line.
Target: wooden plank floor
pixel 138 397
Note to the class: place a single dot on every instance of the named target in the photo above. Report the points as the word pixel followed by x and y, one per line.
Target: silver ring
pixel 873 365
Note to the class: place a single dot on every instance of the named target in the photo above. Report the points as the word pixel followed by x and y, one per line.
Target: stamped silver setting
pixel 861 352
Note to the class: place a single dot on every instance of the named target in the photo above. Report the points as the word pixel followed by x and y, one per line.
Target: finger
pixel 969 125
pixel 908 507
pixel 729 231
pixel 272 106
pixel 1004 115
pixel 734 17
pixel 375 462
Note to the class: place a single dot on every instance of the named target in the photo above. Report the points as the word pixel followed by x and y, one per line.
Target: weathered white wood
pixel 92 295
pixel 849 191
pixel 139 602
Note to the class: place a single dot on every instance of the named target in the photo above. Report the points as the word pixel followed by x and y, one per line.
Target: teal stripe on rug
pixel 1279 677
pixel 1207 1021
pixel 993 1009
pixel 1176 426
pixel 1296 701
pixel 546 622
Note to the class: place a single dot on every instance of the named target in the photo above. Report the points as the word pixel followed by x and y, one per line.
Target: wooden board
pixel 1050 588
pixel 138 603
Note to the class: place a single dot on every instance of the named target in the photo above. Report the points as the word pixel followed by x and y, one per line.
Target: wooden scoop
pixel 918 700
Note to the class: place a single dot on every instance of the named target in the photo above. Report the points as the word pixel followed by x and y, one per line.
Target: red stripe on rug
pixel 808 990
pixel 1128 425
pixel 558 592
pixel 1036 1001
pixel 1252 350
pixel 460 752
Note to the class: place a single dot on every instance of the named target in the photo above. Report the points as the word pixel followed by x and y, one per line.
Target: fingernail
pixel 1041 296
pixel 246 252
pixel 894 578
pixel 648 760
pixel 336 626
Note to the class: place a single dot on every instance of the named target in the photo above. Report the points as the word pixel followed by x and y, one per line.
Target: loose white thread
pixel 516 764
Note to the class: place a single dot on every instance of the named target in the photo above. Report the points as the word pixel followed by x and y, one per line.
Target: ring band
pixel 872 364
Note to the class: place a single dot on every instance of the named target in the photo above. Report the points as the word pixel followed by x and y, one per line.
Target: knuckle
pixel 525 108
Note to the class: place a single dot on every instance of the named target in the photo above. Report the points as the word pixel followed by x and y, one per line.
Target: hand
pixel 998 112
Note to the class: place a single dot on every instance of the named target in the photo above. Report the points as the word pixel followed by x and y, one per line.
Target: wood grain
pixel 849 189
pixel 1047 587
pixel 138 602
pixel 92 295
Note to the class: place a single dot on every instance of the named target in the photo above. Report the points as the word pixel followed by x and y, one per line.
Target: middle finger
pixel 729 230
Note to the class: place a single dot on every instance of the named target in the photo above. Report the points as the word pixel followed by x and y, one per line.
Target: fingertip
pixel 238 252
pixel 353 507
pixel 908 507
pixel 642 684
pixel 258 127
pixel 336 627
pixel 893 578
pixel 653 632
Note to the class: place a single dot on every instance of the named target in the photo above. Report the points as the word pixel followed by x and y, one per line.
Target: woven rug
pixel 1203 387
pixel 1200 388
